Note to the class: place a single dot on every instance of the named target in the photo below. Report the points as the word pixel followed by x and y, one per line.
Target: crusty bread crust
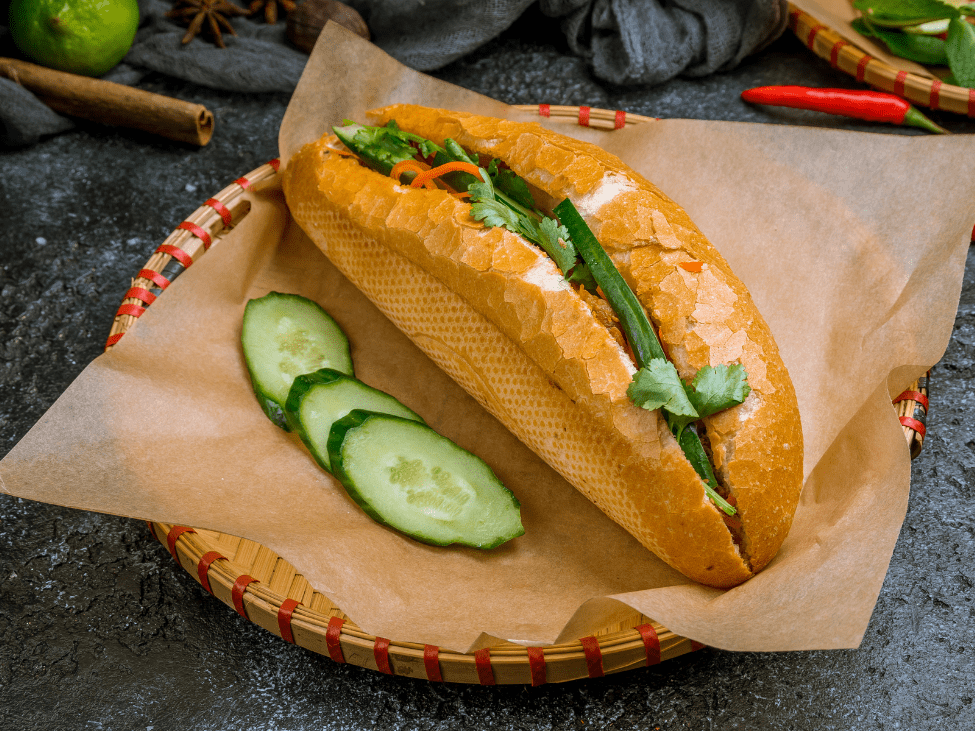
pixel 493 311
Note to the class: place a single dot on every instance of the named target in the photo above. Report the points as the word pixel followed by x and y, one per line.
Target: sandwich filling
pixel 500 198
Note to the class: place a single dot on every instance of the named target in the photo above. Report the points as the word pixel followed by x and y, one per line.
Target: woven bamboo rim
pixel 841 54
pixel 267 590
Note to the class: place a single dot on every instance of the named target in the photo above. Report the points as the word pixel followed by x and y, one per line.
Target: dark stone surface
pixel 100 629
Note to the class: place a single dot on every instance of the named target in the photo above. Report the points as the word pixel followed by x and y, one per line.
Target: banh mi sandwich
pixel 582 308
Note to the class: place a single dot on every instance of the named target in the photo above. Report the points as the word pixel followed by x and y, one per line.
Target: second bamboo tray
pixel 843 55
pixel 267 590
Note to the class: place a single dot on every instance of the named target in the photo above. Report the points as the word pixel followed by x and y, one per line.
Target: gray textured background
pixel 100 629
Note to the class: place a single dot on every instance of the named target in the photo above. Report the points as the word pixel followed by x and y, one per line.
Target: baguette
pixel 497 314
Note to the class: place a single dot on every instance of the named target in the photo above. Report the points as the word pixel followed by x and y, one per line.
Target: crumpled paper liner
pixel 852 244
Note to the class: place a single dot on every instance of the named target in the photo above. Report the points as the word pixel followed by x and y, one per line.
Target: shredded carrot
pixel 462 195
pixel 343 153
pixel 450 167
pixel 411 166
pixel 691 266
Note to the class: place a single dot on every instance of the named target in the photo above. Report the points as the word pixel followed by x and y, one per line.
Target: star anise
pixel 206 16
pixel 271 8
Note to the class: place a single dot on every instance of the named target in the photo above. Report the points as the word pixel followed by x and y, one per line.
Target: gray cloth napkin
pixel 625 42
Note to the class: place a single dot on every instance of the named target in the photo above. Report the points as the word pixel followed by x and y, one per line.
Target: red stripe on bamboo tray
pixel 482 662
pixel 934 100
pixel 243 183
pixel 813 32
pixel 333 639
pixel 862 67
pixel 112 339
pixel 536 663
pixel 140 293
pixel 174 534
pixel 178 254
pixel 221 209
pixel 971 109
pixel 155 277
pixel 913 396
pixel 913 424
pixel 200 233
pixel 651 643
pixel 594 656
pixel 130 309
pixel 431 662
pixel 285 613
pixel 545 110
pixel 275 163
pixel 237 593
pixel 584 116
pixel 695 645
pixel 380 651
pixel 620 120
pixel 203 568
pixel 834 53
pixel 899 83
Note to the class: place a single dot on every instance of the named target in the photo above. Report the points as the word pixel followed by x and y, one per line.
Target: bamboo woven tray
pixel 841 54
pixel 264 588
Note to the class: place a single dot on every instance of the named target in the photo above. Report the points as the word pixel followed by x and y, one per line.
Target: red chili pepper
pixel 873 106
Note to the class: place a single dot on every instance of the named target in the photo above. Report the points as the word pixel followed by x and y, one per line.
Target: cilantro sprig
pixel 713 389
pixel 926 31
pixel 503 199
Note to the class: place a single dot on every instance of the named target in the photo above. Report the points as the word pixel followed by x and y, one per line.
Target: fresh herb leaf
pixel 428 148
pixel 493 213
pixel 456 153
pixel 581 274
pixel 658 386
pixel 511 185
pixel 555 240
pixel 913 46
pixel 482 190
pixel 382 147
pixel 493 208
pixel 718 388
pixel 899 13
pixel 960 48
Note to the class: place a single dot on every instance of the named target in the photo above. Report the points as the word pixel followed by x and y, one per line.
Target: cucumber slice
pixel 406 476
pixel 317 400
pixel 284 336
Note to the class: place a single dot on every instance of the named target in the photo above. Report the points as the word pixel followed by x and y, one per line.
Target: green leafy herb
pixel 382 147
pixel 511 184
pixel 495 208
pixel 899 13
pixel 960 48
pixel 658 386
pixel 718 388
pixel 909 29
pixel 913 46
pixel 713 389
pixel 456 153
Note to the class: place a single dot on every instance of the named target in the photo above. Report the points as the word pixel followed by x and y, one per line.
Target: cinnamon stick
pixel 114 104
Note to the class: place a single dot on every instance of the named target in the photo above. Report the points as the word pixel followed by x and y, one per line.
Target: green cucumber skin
pixel 357 418
pixel 300 388
pixel 273 408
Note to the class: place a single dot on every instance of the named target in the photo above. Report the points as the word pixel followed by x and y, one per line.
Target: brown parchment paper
pixel 853 245
pixel 839 15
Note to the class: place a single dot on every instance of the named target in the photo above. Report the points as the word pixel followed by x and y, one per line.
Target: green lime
pixel 81 36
